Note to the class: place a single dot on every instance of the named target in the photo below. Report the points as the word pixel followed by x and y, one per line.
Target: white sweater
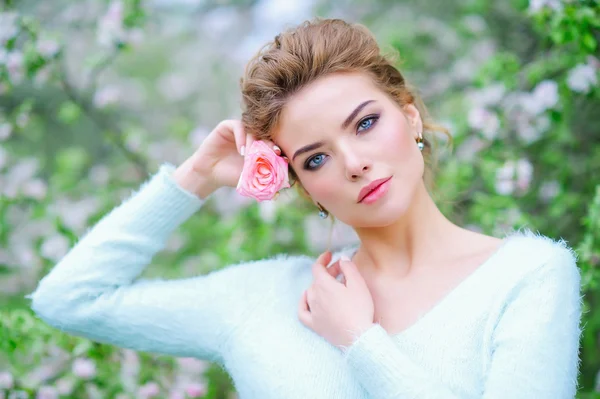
pixel 510 330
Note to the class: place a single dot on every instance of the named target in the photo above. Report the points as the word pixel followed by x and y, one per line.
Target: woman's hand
pixel 218 161
pixel 339 312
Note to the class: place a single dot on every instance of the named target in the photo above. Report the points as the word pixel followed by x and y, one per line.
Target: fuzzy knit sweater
pixel 510 330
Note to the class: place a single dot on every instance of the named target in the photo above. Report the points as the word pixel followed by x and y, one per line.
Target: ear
pixel 414 119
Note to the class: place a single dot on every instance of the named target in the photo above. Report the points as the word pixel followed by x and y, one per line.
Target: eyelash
pixel 374 118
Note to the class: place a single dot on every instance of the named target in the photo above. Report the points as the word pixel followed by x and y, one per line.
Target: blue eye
pixel 316 161
pixel 367 123
pixel 309 163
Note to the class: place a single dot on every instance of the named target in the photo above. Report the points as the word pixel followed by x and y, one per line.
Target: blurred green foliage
pixel 94 95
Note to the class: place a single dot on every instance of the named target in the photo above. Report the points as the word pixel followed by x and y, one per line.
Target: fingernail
pixel 242 150
pixel 276 148
pixel 344 257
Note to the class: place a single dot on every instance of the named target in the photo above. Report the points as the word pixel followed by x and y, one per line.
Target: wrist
pixel 192 181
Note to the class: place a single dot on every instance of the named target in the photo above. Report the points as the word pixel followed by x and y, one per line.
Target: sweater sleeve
pixel 534 344
pixel 94 291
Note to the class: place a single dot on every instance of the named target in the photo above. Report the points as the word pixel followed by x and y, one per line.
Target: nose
pixel 356 166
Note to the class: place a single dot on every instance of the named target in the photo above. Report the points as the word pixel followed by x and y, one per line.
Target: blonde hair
pixel 313 49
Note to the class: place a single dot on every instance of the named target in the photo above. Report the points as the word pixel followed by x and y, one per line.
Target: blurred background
pixel 95 95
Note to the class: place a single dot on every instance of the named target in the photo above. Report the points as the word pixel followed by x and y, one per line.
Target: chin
pixel 380 215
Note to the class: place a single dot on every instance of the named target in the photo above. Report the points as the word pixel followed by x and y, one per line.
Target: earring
pixel 322 212
pixel 420 143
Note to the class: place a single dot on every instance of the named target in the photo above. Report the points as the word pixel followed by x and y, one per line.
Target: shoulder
pixel 529 255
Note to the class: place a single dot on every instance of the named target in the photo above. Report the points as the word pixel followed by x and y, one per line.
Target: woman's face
pixel 341 133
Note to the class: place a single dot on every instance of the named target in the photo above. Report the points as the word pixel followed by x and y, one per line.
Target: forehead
pixel 324 102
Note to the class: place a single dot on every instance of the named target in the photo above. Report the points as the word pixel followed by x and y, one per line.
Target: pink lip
pixel 373 189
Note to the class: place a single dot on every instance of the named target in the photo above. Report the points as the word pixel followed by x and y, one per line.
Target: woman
pixel 424 308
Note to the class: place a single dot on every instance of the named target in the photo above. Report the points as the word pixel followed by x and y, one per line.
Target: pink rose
pixel 264 173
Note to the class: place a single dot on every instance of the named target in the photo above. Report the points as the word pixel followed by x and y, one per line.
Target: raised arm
pixel 535 344
pixel 94 291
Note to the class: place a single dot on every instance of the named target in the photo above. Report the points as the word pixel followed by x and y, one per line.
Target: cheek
pixel 323 185
pixel 398 141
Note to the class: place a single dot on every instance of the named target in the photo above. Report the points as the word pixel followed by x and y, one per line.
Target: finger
pixel 321 263
pixel 350 271
pixel 249 140
pixel 276 149
pixel 303 304
pixel 304 310
pixel 238 133
pixel 334 269
pixel 310 298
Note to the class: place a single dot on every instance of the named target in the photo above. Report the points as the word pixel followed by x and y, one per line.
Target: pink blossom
pixel 65 386
pixel 84 368
pixel 175 394
pixel 5 131
pixel 14 64
pixel 514 177
pixel 227 202
pixel 174 86
pixel 475 23
pixel 47 47
pixel 529 128
pixel 218 21
pixel 537 5
pixel 524 174
pixel 267 211
pixel 469 148
pixel 130 370
pixel 549 190
pixel 54 247
pixel 24 170
pixel 190 365
pixel 19 394
pixel 546 94
pixel 47 392
pixel 3 158
pixel 74 214
pixel 42 76
pixel 106 96
pixel 488 96
pixel 283 235
pixel 195 389
pixel 149 390
pixel 485 121
pixel 99 175
pixel 35 188
pixel 463 69
pixel 7 380
pixel 110 27
pixel 582 78
pixel 8 26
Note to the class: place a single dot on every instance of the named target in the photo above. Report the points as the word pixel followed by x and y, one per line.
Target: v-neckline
pixel 454 291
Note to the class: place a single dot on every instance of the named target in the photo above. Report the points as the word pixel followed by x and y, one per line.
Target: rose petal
pixel 264 173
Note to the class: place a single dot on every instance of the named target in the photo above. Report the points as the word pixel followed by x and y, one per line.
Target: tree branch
pixel 105 127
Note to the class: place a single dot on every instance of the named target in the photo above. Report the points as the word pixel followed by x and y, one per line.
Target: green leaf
pixel 69 112
pixel 589 42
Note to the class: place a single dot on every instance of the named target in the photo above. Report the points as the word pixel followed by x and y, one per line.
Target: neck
pixel 422 236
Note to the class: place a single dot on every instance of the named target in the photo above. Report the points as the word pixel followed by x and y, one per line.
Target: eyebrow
pixel 345 124
pixel 352 115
